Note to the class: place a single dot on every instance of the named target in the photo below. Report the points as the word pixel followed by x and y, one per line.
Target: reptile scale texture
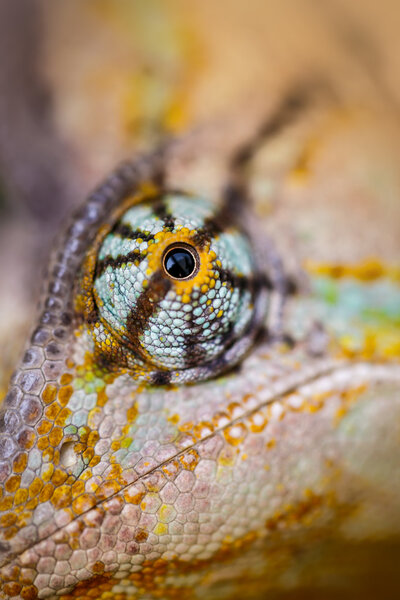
pixel 209 404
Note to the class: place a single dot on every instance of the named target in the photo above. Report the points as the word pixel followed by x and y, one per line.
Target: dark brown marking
pixel 227 215
pixel 135 257
pixel 253 284
pixel 126 231
pixel 236 281
pixel 286 112
pixel 146 305
pixel 194 353
pixel 161 378
pixel 160 210
pixel 291 286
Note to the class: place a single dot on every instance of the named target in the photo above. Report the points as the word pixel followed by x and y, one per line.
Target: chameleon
pixel 208 405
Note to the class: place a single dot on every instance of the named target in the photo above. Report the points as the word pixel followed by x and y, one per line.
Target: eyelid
pixel 120 301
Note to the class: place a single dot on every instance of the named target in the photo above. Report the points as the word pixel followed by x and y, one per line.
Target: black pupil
pixel 179 263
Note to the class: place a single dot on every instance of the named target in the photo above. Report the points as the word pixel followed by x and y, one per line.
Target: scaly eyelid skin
pixel 165 329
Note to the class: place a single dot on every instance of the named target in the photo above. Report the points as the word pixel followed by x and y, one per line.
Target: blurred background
pixel 86 84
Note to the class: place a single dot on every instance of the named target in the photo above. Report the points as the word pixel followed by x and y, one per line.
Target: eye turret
pixel 172 294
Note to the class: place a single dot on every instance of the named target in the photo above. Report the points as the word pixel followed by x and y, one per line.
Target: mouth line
pixel 300 381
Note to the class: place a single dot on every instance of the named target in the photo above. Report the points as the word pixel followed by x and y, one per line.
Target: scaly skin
pixel 275 476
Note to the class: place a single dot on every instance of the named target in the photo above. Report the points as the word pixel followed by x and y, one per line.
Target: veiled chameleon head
pixel 170 291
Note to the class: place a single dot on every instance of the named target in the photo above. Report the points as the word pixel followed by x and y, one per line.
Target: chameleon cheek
pixel 171 291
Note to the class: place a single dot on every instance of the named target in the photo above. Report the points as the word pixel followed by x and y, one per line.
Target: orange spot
pixel 6 503
pixel 49 393
pixel 78 488
pixel 102 397
pixel 235 434
pixel 52 411
pixel 65 394
pixel 32 504
pixel 107 489
pixel 19 464
pixel 62 416
pixel 141 535
pixel 44 427
pixel 66 378
pixel 62 497
pixel 93 438
pixel 258 422
pixel 46 476
pixel 83 503
pixel 58 477
pixel 8 519
pixel 12 589
pixel 133 497
pixel 55 436
pixel 98 567
pixel 46 492
pixel 35 487
pixel 29 592
pixel 20 497
pixel 189 460
pixel 43 443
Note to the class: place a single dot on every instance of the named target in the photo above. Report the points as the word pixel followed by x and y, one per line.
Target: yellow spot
pixel 220 313
pixel 161 529
pixel 226 458
pixel 166 513
pixel 370 269
pixel 174 419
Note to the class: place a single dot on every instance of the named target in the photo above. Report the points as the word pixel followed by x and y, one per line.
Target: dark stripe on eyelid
pixel 227 215
pixel 126 231
pixel 160 210
pixel 115 263
pixel 146 305
pixel 161 377
pixel 194 353
pixel 253 284
pixel 237 281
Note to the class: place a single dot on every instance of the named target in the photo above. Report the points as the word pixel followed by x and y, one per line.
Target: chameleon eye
pixel 169 293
